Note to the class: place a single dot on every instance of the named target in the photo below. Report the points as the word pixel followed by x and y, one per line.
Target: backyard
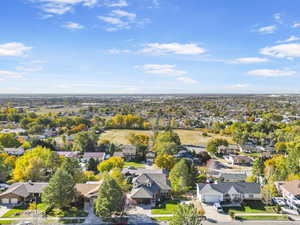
pixel 134 164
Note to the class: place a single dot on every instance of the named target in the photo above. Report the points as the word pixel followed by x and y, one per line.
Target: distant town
pixel 149 159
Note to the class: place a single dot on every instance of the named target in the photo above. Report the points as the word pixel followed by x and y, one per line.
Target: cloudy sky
pixel 149 46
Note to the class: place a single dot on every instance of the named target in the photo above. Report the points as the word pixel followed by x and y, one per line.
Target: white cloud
pixel 277 18
pixel 123 13
pixel 10 74
pixel 114 51
pixel 162 69
pixel 14 49
pixel 291 50
pixel 73 26
pixel 173 48
pixel 295 25
pixel 120 3
pixel 267 29
pixel 187 80
pixel 272 73
pixel 290 39
pixel 59 7
pixel 121 19
pixel 249 60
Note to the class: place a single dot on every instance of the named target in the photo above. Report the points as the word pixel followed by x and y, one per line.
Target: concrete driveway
pixel 212 214
pixel 3 210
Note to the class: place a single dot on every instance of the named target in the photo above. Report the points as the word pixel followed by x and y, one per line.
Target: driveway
pixel 3 210
pixel 212 214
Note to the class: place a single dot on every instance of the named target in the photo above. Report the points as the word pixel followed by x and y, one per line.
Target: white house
pixel 229 191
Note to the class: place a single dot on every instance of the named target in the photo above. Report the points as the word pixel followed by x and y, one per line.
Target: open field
pixel 187 137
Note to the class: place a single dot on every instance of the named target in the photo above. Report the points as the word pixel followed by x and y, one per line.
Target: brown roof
pixel 87 190
pixel 292 187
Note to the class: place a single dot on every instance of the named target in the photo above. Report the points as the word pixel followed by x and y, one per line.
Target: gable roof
pixel 159 179
pixel 292 186
pixel 25 189
pixel 240 187
pixel 95 155
pixel 142 192
pixel 87 190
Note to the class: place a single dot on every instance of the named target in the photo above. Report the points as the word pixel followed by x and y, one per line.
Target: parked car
pixel 278 201
pixel 3 187
pixel 218 207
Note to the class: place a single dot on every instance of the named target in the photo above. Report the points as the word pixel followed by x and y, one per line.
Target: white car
pixel 218 207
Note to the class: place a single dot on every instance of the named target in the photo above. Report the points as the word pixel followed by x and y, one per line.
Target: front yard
pixel 264 217
pixel 251 207
pixel 13 213
pixel 166 208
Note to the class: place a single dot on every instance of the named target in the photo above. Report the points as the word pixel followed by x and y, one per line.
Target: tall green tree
pixel 85 142
pixel 186 215
pixel 72 166
pixel 110 200
pixel 61 190
pixel 180 177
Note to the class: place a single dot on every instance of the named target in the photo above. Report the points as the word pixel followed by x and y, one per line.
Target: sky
pixel 149 46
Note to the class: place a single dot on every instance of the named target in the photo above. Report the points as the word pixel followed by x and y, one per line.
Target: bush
pixel 58 212
pixel 232 214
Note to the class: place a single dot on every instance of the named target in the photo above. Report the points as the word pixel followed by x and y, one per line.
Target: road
pixel 254 223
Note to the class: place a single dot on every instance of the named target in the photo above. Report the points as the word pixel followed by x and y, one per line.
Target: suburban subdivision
pixel 95 162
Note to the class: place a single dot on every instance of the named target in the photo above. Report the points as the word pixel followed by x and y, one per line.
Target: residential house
pixel 128 153
pixel 227 176
pixel 100 156
pixel 230 149
pixel 239 160
pixel 22 192
pixel 230 191
pixel 290 191
pixel 14 151
pixel 149 188
pixel 64 140
pixel 18 193
pixel 70 154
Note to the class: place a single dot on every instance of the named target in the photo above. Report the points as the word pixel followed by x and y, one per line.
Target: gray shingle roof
pixel 242 188
pixel 25 189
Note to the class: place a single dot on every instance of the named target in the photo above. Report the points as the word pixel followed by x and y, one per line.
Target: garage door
pixel 211 198
pixel 13 201
pixel 4 201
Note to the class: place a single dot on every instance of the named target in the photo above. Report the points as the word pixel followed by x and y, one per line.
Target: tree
pixel 186 215
pixel 258 167
pixel 9 141
pixel 7 164
pixel 37 164
pixel 251 179
pixel 85 142
pixel 180 177
pixel 165 161
pixel 110 200
pixel 169 148
pixel 280 147
pixel 116 174
pixel 213 145
pixel 92 164
pixel 109 164
pixel 60 191
pixel 72 167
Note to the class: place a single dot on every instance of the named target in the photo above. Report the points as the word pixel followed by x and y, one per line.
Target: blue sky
pixel 149 46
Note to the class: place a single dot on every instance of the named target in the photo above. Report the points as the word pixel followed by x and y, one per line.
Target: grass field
pixel 252 207
pixel 264 217
pixel 134 164
pixel 167 208
pixel 187 137
pixel 12 213
pixel 162 218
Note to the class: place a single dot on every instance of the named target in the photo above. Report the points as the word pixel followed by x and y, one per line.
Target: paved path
pixel 3 210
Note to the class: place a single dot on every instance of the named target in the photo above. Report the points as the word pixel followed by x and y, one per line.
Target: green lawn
pixel 11 213
pixel 162 218
pixel 252 207
pixel 283 217
pixel 166 208
pixel 7 221
pixel 135 164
